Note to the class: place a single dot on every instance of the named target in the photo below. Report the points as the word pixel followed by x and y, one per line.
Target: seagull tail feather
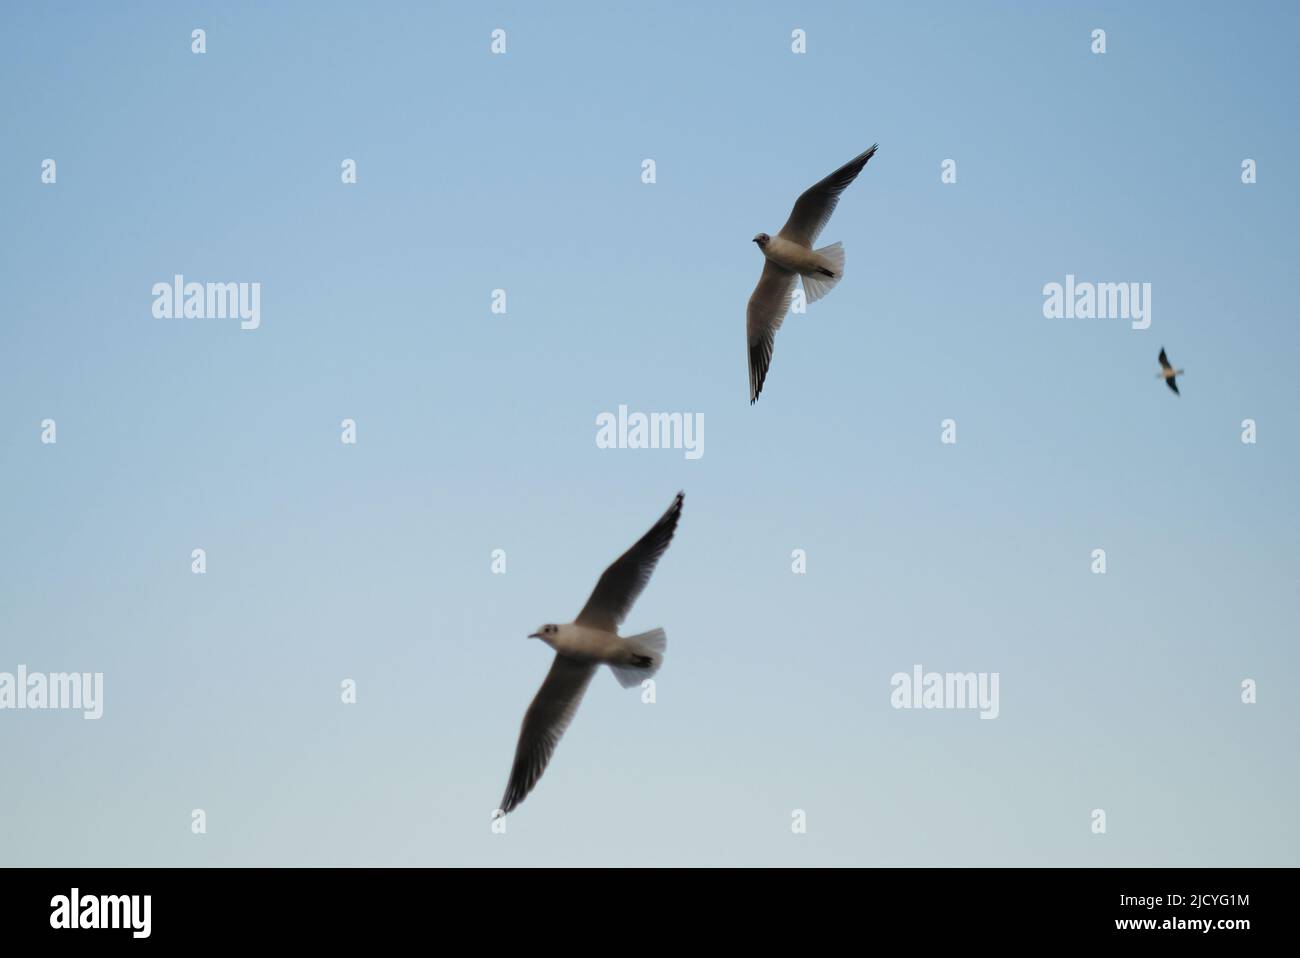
pixel 651 645
pixel 818 285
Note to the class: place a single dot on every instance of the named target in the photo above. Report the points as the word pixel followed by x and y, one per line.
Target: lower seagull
pixel 582 646
pixel 1168 373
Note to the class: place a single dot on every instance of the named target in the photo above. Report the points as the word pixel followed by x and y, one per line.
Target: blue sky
pixel 476 431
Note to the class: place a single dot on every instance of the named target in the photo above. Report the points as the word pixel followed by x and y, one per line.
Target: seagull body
pixel 1168 373
pixel 794 258
pixel 590 646
pixel 582 646
pixel 790 255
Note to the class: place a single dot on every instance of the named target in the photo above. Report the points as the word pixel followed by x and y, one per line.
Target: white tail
pixel 651 645
pixel 817 286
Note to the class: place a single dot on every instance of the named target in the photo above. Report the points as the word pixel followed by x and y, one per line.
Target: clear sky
pixel 476 431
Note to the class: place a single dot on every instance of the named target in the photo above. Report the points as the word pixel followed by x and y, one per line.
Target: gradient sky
pixel 476 431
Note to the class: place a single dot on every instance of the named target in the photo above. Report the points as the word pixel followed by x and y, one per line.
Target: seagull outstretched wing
pixel 627 575
pixel 816 204
pixel 552 710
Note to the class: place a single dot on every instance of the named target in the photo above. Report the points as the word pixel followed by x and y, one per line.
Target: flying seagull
pixel 790 254
pixel 582 646
pixel 1167 372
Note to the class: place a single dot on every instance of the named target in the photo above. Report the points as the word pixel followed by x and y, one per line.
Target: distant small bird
pixel 585 644
pixel 1167 372
pixel 790 254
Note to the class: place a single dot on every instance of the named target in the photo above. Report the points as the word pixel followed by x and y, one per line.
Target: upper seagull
pixel 582 645
pixel 1168 373
pixel 790 254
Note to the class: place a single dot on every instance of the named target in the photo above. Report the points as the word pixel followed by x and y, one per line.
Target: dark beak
pixel 535 635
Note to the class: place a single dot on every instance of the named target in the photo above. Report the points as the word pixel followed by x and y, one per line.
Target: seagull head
pixel 762 240
pixel 545 632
